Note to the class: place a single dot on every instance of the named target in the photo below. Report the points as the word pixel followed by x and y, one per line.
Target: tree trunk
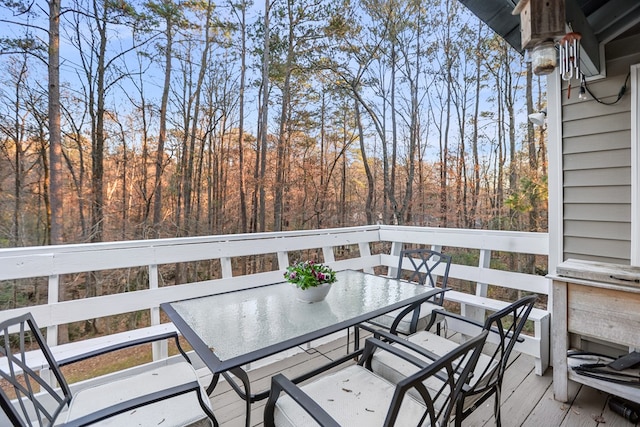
pixel 368 206
pixel 162 132
pixel 264 120
pixel 55 213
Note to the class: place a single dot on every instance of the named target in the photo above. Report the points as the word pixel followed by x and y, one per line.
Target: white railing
pixel 53 261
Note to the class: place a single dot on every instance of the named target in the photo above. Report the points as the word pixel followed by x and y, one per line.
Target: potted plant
pixel 312 280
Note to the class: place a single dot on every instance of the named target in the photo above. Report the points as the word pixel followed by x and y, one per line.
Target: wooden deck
pixel 527 399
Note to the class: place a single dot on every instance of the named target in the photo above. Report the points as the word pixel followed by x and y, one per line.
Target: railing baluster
pixel 365 251
pixel 227 268
pixel 328 254
pixel 159 349
pixel 396 248
pixel 481 289
pixel 283 260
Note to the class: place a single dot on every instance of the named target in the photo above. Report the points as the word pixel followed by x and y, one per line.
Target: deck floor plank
pixel 519 369
pixel 611 419
pixel 548 411
pixel 523 400
pixel 588 404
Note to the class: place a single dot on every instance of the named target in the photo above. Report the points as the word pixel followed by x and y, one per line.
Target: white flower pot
pixel 314 294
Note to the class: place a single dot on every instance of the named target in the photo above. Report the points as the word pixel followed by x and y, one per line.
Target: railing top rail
pixel 499 240
pixel 43 261
pixel 179 241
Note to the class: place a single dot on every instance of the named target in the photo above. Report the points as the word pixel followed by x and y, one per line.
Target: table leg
pixel 246 395
pixel 213 384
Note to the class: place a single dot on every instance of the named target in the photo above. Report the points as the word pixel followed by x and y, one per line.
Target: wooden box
pixel 541 20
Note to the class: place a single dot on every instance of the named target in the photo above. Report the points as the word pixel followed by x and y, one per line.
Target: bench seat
pixel 65 352
pixel 536 345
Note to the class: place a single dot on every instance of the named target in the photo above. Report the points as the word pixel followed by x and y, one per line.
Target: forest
pixel 145 119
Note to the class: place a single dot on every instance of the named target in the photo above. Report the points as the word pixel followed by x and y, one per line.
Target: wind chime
pixel 569 53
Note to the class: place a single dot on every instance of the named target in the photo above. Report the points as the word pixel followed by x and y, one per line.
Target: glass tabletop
pixel 241 322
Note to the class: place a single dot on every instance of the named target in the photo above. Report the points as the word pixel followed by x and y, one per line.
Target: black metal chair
pixel 419 266
pixel 486 380
pixel 168 394
pixel 355 396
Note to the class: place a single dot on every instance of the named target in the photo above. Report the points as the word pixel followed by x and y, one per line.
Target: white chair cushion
pixel 395 369
pixel 353 396
pixel 183 410
pixel 386 320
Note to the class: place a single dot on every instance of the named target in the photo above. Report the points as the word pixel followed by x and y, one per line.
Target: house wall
pixel 596 157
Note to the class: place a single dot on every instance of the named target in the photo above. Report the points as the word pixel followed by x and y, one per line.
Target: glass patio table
pixel 232 329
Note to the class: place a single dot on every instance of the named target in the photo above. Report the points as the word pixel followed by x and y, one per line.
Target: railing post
pixel 54 290
pixel 227 268
pixel 365 251
pixel 437 248
pixel 328 254
pixel 477 313
pixel 396 248
pixel 159 350
pixel 52 330
pixel 283 260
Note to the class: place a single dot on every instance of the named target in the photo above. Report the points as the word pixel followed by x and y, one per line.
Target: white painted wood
pixel 508 241
pixel 507 279
pixel 475 312
pixel 51 261
pixel 226 267
pixel 365 251
pixel 555 182
pixel 635 165
pixel 328 254
pixel 160 350
pixel 537 345
pixel 396 248
pixel 283 260
pixel 54 287
pixel 36 360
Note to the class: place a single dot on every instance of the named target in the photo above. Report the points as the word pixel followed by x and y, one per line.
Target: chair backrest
pixel 441 393
pixel 421 267
pixel 27 399
pixel 507 323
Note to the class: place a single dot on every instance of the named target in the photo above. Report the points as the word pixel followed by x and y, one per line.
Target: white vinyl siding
pixel 596 159
pixel 635 165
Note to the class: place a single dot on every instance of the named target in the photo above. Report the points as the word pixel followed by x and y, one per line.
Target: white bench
pixel 35 359
pixel 536 345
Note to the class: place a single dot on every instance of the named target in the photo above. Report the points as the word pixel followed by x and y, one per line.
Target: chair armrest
pixel 376 342
pixel 119 408
pixel 419 363
pixel 122 345
pixel 474 322
pixel 459 317
pixel 390 337
pixel 280 383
